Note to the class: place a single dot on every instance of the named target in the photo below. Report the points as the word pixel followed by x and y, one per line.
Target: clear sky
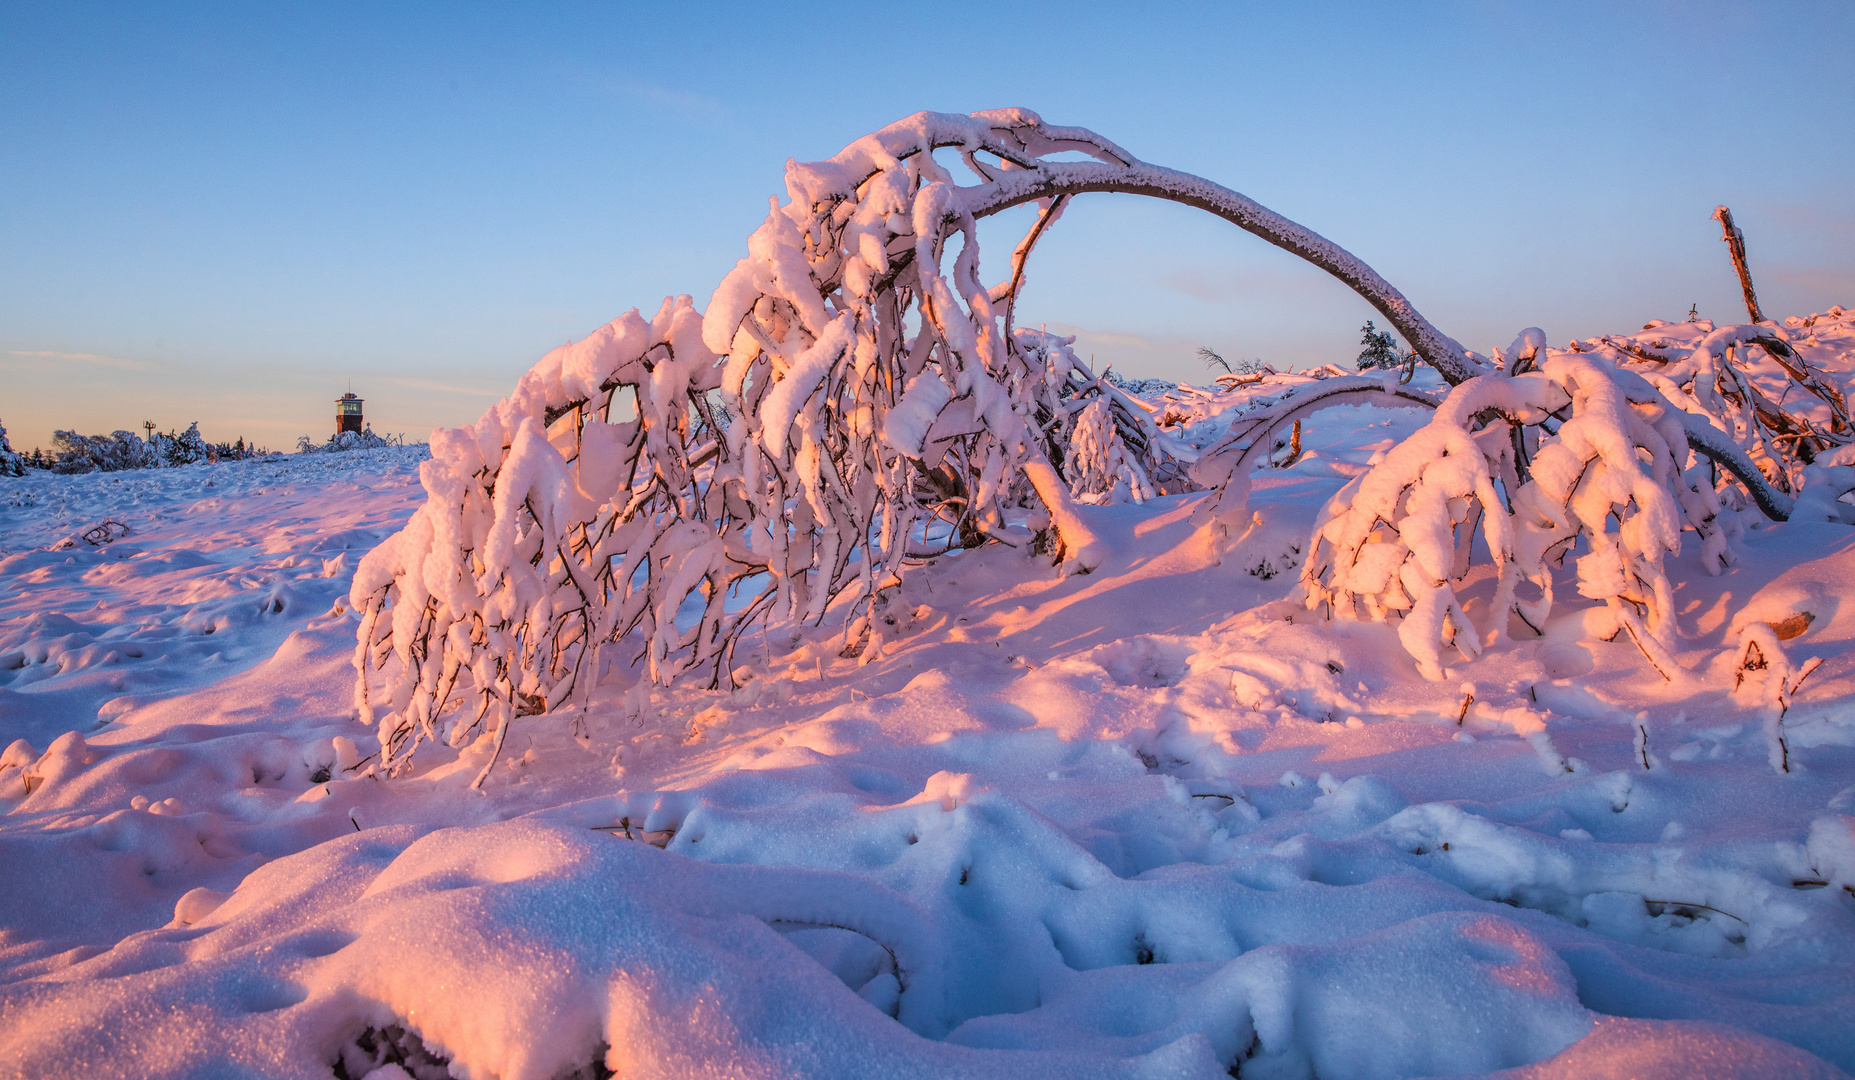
pixel 229 213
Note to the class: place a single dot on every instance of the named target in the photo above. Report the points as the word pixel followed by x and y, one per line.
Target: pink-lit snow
pixel 1155 820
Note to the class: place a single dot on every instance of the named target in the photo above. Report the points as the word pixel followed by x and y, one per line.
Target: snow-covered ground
pixel 1156 820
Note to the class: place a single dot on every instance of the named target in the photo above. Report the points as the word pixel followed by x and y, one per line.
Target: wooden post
pixel 1736 244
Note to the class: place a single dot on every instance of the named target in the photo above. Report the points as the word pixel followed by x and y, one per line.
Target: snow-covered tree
pixel 879 397
pixel 573 518
pixel 1100 467
pixel 1752 386
pixel 1399 538
pixel 12 463
pixel 1379 349
pixel 853 400
pixel 188 448
pixel 114 452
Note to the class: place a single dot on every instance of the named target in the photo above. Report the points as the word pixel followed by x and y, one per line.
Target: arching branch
pixel 1052 179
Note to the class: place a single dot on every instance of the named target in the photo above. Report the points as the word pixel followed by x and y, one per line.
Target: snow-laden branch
pixel 1738 389
pixel 587 506
pixel 1225 466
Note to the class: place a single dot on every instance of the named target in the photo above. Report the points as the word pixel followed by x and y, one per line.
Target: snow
pixel 802 689
pixel 1154 820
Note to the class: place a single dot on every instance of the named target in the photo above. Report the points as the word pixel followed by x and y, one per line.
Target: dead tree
pixel 1736 246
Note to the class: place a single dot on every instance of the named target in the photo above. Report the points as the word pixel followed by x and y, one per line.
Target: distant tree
pixel 1211 359
pixel 78 453
pixel 119 450
pixel 11 462
pixel 347 440
pixel 187 448
pixel 1379 349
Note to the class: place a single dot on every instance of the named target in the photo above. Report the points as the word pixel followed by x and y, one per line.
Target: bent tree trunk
pixel 1058 178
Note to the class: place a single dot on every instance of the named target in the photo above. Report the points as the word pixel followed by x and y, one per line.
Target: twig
pixel 1294 446
pixel 1704 907
pixel 1666 677
pixel 502 732
pixel 624 825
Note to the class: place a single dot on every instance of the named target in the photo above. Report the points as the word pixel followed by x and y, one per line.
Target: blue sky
pixel 228 212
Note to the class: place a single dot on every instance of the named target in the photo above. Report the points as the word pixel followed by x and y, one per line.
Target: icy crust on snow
pixel 1086 825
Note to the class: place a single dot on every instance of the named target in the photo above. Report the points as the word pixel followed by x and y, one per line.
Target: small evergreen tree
pixel 1379 349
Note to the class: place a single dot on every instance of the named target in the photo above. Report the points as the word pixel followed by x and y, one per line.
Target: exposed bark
pixel 1736 245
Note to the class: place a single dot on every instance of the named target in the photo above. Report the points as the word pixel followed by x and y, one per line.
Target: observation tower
pixel 347 413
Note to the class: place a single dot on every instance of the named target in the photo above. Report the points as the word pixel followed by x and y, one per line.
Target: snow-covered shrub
pixel 1140 387
pixel 1764 675
pixel 1106 441
pixel 1604 452
pixel 12 463
pixel 1399 538
pixel 74 453
pixel 1750 383
pixel 343 441
pixel 1826 480
pixel 241 450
